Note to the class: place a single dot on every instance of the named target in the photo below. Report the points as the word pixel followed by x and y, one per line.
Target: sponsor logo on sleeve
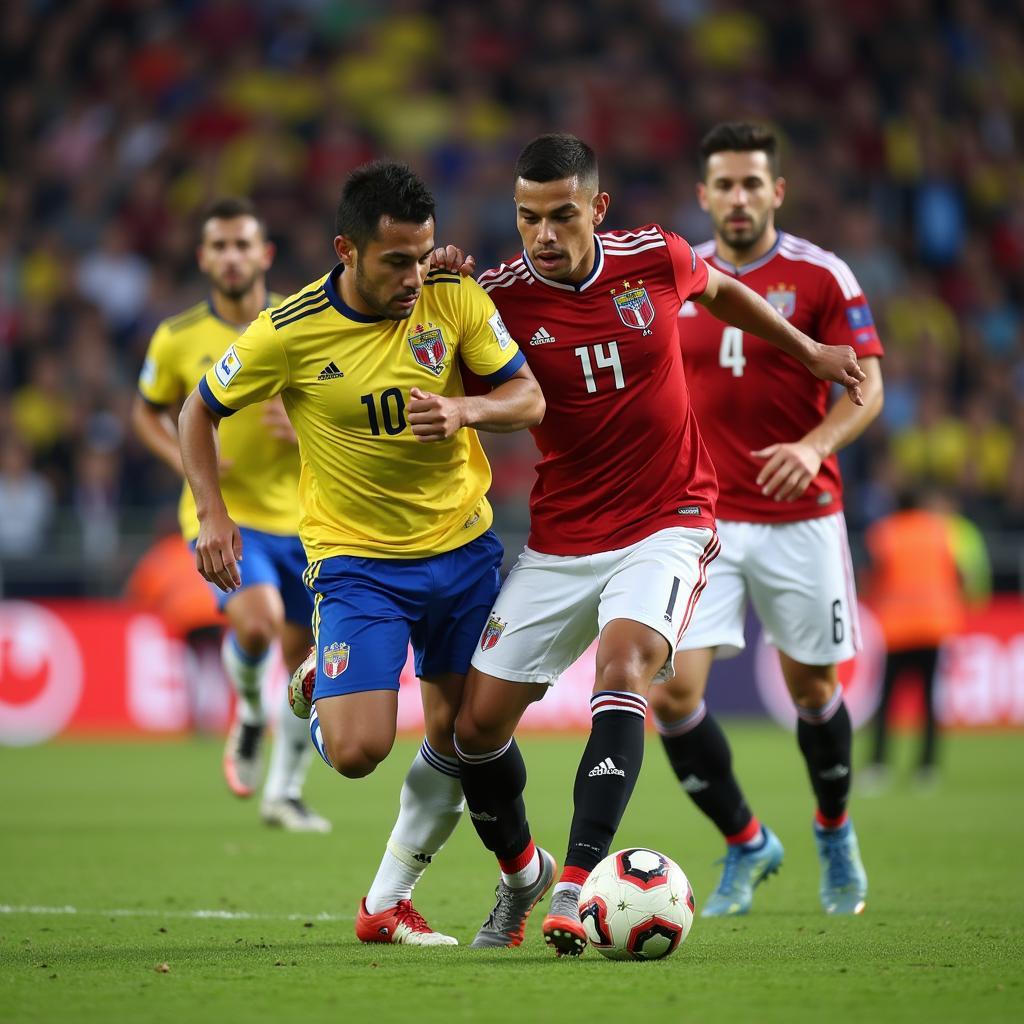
pixel 147 376
pixel 227 367
pixel 501 334
pixel 859 317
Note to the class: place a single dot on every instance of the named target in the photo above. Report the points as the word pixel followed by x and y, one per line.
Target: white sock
pixel 290 757
pixel 246 674
pixel 524 876
pixel 430 808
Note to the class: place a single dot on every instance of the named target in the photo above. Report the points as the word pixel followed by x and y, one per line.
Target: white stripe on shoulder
pixel 799 249
pixel 654 244
pixel 498 273
pixel 626 237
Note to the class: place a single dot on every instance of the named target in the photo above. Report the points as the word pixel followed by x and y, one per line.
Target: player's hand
pixel 451 257
pixel 788 469
pixel 433 417
pixel 838 363
pixel 275 419
pixel 218 552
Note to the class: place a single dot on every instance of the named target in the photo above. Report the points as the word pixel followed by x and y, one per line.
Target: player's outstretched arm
pixel 788 468
pixel 732 301
pixel 219 544
pixel 513 405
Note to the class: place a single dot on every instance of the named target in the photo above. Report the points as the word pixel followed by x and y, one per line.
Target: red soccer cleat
pixel 402 924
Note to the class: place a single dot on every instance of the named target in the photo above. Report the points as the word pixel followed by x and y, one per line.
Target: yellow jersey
pixel 368 487
pixel 260 478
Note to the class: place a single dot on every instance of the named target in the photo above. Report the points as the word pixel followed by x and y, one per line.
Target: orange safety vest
pixel 914 588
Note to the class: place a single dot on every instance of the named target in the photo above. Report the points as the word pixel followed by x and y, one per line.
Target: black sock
pixel 607 775
pixel 825 736
pixel 700 756
pixel 494 784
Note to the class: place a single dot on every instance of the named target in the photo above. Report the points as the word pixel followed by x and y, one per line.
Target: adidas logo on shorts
pixel 606 767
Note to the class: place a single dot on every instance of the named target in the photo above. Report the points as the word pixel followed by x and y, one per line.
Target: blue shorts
pixel 276 559
pixel 368 610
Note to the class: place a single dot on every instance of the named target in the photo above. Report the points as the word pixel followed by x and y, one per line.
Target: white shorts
pixel 552 607
pixel 799 578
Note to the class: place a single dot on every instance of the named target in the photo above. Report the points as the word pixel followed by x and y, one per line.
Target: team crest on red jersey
pixel 634 306
pixel 782 298
pixel 335 659
pixel 428 347
pixel 492 633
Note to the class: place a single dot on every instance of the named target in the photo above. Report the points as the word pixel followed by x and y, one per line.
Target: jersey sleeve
pixel 691 272
pixel 485 346
pixel 159 384
pixel 252 370
pixel 845 314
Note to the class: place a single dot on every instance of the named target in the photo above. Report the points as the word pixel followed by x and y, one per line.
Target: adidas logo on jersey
pixel 330 372
pixel 541 337
pixel 606 767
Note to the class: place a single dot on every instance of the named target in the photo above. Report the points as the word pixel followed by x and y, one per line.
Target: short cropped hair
pixel 228 208
pixel 381 189
pixel 739 137
pixel 555 156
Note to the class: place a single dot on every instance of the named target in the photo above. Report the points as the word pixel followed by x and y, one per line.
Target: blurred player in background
pixel 622 526
pixel 395 521
pixel 259 476
pixel 780 518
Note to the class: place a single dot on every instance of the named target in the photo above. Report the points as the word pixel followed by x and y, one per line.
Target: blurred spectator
pixel 26 501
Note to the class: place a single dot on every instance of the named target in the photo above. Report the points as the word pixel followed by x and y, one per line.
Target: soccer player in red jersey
pixel 780 519
pixel 622 515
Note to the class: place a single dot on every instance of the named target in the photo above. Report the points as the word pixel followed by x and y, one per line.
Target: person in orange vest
pixel 915 590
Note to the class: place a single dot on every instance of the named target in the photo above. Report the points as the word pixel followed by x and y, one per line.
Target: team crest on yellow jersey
pixel 335 659
pixel 782 297
pixel 492 633
pixel 428 347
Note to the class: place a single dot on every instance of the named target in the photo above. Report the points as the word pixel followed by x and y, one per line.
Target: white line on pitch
pixel 210 915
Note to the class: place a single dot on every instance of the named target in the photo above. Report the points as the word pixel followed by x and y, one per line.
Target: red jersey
pixel 621 457
pixel 749 395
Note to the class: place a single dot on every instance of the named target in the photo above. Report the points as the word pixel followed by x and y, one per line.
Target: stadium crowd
pixel 121 118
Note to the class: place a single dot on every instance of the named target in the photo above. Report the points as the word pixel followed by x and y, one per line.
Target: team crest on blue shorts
pixel 335 659
pixel 492 633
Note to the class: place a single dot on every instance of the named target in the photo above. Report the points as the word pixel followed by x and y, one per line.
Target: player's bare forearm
pixel 732 301
pixel 845 422
pixel 197 437
pixel 155 429
pixel 514 405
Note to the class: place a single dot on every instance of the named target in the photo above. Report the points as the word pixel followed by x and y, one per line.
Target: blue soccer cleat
pixel 844 882
pixel 744 870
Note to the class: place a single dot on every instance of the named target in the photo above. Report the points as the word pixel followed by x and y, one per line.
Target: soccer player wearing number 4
pixel 394 519
pixel 780 519
pixel 622 514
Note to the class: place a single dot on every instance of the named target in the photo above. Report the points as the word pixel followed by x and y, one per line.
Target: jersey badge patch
pixel 335 659
pixel 148 374
pixel 428 347
pixel 634 306
pixel 500 331
pixel 492 633
pixel 859 317
pixel 227 367
pixel 782 298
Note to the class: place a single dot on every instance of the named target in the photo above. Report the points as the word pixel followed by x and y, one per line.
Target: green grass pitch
pixel 141 838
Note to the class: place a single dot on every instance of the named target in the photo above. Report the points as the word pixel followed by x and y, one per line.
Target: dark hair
pixel 556 156
pixel 381 189
pixel 228 208
pixel 739 137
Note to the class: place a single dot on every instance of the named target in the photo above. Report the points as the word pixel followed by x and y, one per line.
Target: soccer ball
pixel 636 905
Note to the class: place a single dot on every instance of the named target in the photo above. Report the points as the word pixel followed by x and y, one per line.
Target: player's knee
pixel 256 634
pixel 354 760
pixel 813 692
pixel 629 674
pixel 476 736
pixel 670 702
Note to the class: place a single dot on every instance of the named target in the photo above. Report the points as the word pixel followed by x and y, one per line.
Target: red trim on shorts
pixel 574 875
pixel 708 555
pixel 830 822
pixel 511 866
pixel 746 835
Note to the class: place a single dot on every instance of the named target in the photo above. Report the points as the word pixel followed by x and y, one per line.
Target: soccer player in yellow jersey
pixel 394 518
pixel 259 475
